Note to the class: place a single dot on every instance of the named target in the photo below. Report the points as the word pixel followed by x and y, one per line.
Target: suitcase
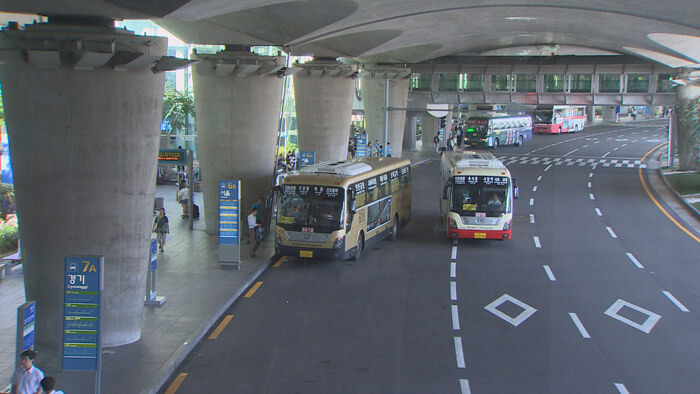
pixel 195 211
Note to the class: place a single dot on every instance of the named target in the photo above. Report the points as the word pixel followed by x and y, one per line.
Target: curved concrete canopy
pixel 347 28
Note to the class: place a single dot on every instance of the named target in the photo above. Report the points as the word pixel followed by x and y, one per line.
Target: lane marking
pixel 532 201
pixel 634 260
pixel 675 301
pixel 454 253
pixel 590 185
pixel 597 212
pixel 611 232
pixel 606 154
pixel 579 325
pixel 280 261
pixel 591 196
pixel 590 175
pixel 549 273
pixel 527 310
pixel 532 218
pixel 537 241
pixel 646 326
pixel 621 388
pixel 253 290
pixel 459 353
pixel 656 202
pixel 455 317
pixel 534 189
pixel 567 154
pixel 453 270
pixel 453 290
pixel 548 167
pixel 464 385
pixel 215 334
pixel 539 178
pixel 176 383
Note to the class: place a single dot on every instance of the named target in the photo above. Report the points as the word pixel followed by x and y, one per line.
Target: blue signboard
pixel 229 198
pixel 361 146
pixel 81 313
pixel 29 318
pixel 154 255
pixel 307 158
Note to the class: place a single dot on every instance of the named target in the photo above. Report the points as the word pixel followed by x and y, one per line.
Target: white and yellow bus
pixel 333 210
pixel 477 195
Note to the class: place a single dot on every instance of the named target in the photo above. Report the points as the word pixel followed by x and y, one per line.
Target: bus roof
pixel 344 172
pixel 472 159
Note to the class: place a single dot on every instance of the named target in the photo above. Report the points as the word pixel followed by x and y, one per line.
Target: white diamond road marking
pixel 645 327
pixel 515 321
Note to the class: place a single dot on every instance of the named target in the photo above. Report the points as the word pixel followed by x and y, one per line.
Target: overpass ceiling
pixel 414 31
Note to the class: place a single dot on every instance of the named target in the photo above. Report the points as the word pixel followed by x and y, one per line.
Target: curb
pixel 678 195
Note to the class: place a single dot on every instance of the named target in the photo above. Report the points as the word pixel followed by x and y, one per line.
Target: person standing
pixel 162 228
pixel 27 378
pixel 48 384
pixel 184 196
pixel 252 228
pixel 259 206
pixel 388 149
pixel 436 141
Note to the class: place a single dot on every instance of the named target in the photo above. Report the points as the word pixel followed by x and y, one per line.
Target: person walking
pixel 27 378
pixel 162 228
pixel 184 196
pixel 388 149
pixel 252 228
pixel 436 141
pixel 260 207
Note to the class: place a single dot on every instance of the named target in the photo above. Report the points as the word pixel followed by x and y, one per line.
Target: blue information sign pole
pixel 26 316
pixel 229 224
pixel 361 146
pixel 82 311
pixel 152 298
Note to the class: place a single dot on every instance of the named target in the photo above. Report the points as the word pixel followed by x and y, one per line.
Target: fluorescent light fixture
pixel 521 18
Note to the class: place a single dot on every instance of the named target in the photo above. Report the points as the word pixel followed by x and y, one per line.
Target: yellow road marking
pixel 221 327
pixel 253 290
pixel 176 383
pixel 656 202
pixel 280 261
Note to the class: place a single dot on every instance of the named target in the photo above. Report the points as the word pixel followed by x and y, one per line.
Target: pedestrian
pixel 436 141
pixel 184 195
pixel 460 135
pixel 388 149
pixel 27 378
pixel 48 384
pixel 252 228
pixel 162 228
pixel 260 206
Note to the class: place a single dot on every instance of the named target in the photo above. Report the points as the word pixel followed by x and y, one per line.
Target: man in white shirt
pixel 252 226
pixel 48 384
pixel 27 378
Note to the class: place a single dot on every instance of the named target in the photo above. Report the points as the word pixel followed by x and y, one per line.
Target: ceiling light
pixel 521 18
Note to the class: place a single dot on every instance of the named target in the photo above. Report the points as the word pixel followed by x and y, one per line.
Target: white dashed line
pixel 455 317
pixel 453 270
pixel 532 218
pixel 621 388
pixel 550 274
pixel 548 167
pixel 537 241
pixel 453 291
pixel 590 185
pixel 532 201
pixel 591 196
pixel 539 178
pixel 534 189
pixel 590 175
pixel 611 232
pixel 459 352
pixel 464 385
pixel 454 253
pixel 597 212
pixel 575 150
pixel 634 260
pixel 675 301
pixel 579 326
pixel 606 154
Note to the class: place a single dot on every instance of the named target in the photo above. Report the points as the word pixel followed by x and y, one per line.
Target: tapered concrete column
pixel 237 101
pixel 409 133
pixel 84 143
pixel 323 93
pixel 590 114
pixel 609 114
pixel 688 115
pixel 430 125
pixel 373 91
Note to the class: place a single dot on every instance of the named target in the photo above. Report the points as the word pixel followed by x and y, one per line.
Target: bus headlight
pixel 338 242
pixel 506 226
pixel 453 223
pixel 278 239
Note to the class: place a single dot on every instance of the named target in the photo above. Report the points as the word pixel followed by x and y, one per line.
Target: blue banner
pixel 81 313
pixel 307 158
pixel 229 212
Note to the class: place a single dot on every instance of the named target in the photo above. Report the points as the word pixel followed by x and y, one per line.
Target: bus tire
pixel 395 228
pixel 559 131
pixel 575 129
pixel 495 143
pixel 519 141
pixel 359 248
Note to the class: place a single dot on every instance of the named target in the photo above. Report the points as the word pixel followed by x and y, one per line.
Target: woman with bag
pixel 162 228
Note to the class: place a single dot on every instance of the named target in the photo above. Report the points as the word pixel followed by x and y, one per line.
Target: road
pixel 595 293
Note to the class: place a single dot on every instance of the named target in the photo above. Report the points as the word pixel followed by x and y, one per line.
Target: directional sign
pixel 229 221
pixel 307 158
pixel 81 312
pixel 361 146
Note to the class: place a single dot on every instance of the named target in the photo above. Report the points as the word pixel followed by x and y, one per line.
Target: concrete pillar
pixel 687 112
pixel 84 142
pixel 609 114
pixel 590 114
pixel 237 101
pixel 373 87
pixel 448 121
pixel 430 125
pixel 323 94
pixel 409 134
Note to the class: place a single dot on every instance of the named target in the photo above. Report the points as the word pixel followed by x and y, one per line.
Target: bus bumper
pixel 478 234
pixel 337 253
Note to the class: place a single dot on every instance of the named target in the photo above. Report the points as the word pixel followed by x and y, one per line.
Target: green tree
pixel 177 108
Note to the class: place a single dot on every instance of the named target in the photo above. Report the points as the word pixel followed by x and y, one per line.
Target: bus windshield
pixel 543 117
pixel 310 208
pixel 481 196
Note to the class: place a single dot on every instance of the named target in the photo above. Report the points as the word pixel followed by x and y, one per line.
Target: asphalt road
pixel 595 293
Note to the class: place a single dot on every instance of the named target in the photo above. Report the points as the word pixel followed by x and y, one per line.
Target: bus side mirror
pixel 353 206
pixel 516 189
pixel 444 192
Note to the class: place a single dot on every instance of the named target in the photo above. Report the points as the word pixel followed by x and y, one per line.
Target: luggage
pixel 195 211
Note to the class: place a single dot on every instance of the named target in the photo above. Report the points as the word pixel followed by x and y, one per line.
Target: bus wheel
pixel 519 141
pixel 495 143
pixel 358 248
pixel 395 228
pixel 575 129
pixel 559 131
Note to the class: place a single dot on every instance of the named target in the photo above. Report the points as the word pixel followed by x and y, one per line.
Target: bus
pixel 557 119
pixel 477 195
pixel 333 210
pixel 498 129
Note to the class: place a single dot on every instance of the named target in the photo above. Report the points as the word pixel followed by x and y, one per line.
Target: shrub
pixel 9 235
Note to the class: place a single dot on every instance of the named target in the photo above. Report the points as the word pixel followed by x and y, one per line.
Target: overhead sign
pixel 81 312
pixel 174 156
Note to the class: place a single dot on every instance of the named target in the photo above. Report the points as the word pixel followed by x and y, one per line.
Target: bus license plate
pixel 306 253
pixel 480 235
